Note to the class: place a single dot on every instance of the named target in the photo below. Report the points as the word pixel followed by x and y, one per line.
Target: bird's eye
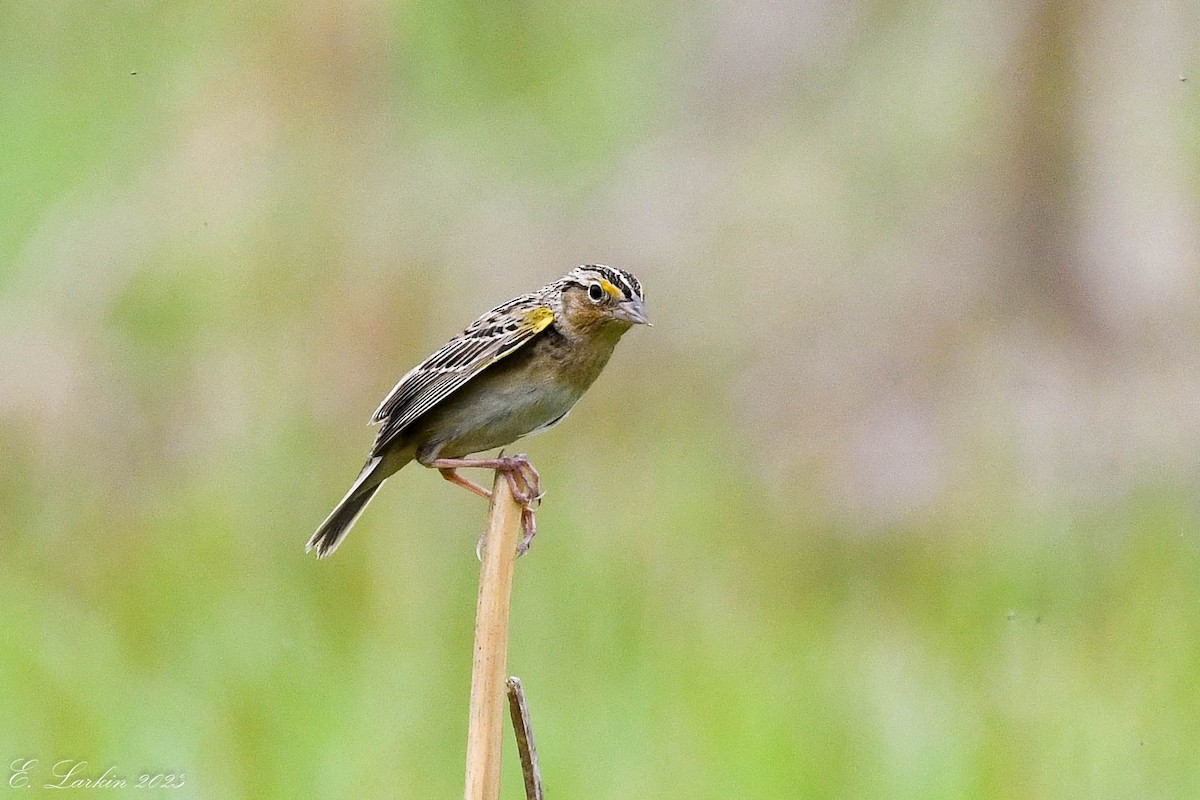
pixel 595 293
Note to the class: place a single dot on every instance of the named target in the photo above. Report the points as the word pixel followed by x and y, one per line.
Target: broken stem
pixel 523 728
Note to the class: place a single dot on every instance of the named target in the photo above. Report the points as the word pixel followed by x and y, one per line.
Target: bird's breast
pixel 522 393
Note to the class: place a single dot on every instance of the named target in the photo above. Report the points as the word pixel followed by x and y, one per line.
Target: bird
pixel 516 370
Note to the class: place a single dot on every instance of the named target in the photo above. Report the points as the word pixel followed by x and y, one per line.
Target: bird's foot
pixel 523 480
pixel 526 485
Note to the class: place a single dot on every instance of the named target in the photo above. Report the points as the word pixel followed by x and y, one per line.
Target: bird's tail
pixel 335 527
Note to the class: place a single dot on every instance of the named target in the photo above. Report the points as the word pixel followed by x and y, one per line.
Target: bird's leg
pixel 522 477
pixel 451 475
pixel 515 468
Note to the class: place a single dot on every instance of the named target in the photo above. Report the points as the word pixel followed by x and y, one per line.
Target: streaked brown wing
pixel 488 339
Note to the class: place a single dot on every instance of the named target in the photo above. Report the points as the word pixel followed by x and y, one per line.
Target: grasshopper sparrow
pixel 516 370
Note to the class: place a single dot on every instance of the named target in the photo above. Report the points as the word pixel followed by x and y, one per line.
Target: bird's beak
pixel 633 311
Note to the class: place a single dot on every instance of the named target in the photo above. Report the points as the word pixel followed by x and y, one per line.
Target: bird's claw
pixel 529 529
pixel 525 483
pixel 529 525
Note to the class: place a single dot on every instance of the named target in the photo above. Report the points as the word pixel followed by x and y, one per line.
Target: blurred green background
pixel 897 500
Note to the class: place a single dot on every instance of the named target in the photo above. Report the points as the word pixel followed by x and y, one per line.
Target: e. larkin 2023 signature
pixel 70 773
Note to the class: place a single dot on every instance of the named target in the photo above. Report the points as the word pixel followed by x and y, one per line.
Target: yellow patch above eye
pixel 537 319
pixel 608 287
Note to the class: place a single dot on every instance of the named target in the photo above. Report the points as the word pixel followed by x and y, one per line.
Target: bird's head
pixel 599 297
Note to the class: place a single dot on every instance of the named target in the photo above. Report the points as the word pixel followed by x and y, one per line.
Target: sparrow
pixel 514 371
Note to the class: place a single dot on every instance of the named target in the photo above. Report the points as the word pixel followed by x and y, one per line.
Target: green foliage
pixel 211 270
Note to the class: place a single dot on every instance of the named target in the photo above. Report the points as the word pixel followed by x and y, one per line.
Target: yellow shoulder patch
pixel 539 319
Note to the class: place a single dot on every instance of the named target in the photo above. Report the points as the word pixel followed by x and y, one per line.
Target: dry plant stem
pixel 523 728
pixel 485 728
